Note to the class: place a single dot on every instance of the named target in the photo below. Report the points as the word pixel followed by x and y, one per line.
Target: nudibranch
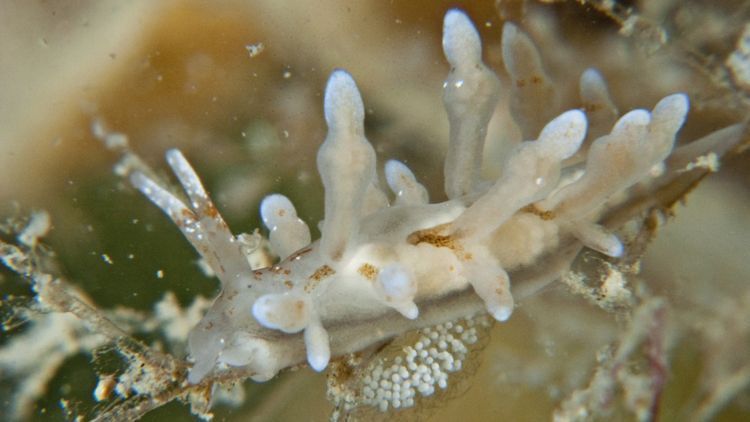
pixel 396 256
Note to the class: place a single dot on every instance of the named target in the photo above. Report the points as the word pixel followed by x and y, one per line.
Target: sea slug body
pixel 378 256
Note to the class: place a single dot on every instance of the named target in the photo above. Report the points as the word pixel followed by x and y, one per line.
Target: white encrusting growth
pixel 39 225
pixel 377 259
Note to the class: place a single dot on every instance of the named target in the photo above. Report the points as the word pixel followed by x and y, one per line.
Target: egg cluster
pixel 421 368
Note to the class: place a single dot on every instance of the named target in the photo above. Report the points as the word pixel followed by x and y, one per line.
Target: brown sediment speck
pixel 544 215
pixel 368 271
pixel 299 254
pixel 316 277
pixel 288 284
pixel 322 272
pixel 520 83
pixel 536 79
pixel 211 211
pixel 592 107
pixel 434 237
pixel 299 308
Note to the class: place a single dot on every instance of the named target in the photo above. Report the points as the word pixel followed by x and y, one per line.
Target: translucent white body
pixel 378 258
